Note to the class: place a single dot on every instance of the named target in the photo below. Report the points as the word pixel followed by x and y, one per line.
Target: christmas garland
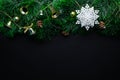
pixel 44 19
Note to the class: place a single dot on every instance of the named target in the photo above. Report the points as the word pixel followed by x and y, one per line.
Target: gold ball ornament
pixel 73 14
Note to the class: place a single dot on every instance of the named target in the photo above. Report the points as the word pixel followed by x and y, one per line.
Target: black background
pixel 82 57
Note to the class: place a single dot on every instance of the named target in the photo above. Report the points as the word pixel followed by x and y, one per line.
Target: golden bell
pixel 8 25
pixel 32 32
pixel 24 10
pixel 54 12
pixel 41 12
pixel 54 15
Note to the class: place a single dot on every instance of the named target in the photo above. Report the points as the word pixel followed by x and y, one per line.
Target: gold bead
pixel 16 18
pixel 73 13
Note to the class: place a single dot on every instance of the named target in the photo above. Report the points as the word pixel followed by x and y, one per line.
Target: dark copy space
pixel 84 57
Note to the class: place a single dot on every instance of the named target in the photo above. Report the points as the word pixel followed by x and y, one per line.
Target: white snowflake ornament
pixel 87 17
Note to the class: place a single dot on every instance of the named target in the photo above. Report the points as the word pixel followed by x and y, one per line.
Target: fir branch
pixel 39 12
pixel 77 4
pixel 10 18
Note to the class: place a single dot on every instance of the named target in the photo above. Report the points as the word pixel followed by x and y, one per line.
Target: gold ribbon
pixel 27 28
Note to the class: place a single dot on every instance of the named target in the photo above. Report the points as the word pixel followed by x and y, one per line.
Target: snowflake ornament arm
pixel 87 17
